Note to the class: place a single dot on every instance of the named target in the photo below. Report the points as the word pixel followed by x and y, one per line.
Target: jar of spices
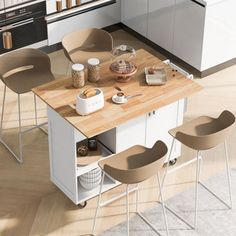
pixel 93 69
pixel 78 77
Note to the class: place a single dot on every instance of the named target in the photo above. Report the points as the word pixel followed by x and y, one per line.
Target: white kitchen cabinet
pixel 97 18
pixel 219 43
pixel 161 22
pixel 146 130
pixel 134 15
pixel 64 170
pixel 126 135
pixel 160 121
pixel 189 23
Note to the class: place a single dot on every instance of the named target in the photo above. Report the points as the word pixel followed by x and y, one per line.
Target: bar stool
pixel 133 166
pixel 83 44
pixel 20 71
pixel 201 134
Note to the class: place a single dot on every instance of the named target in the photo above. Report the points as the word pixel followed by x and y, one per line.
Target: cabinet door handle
pixel 154 112
pixel 149 113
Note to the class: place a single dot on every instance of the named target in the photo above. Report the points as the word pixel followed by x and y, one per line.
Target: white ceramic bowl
pixel 91 179
pixel 89 185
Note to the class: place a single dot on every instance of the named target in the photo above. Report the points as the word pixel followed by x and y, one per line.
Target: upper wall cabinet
pixel 134 15
pixel 63 23
pixel 188 32
pixel 161 22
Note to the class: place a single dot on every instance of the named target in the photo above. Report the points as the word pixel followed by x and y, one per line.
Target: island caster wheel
pixel 82 205
pixel 173 162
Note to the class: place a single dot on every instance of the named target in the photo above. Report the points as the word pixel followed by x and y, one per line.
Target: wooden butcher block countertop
pixel 61 97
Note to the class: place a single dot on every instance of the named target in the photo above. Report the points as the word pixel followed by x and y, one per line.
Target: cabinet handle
pixel 154 112
pixel 149 113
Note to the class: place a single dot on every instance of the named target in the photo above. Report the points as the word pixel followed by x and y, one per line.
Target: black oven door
pixel 24 33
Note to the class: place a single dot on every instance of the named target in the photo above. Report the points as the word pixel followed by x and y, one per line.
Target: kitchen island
pixel 142 120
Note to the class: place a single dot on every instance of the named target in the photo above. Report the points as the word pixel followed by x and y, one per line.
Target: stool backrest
pixel 212 135
pixel 23 59
pixel 86 38
pixel 141 166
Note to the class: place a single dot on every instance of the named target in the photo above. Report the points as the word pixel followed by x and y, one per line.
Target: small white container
pixel 85 106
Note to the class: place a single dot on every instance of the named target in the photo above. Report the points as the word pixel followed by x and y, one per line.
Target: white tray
pixel 159 78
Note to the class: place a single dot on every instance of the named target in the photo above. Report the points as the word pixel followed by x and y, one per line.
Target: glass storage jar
pixel 93 69
pixel 78 77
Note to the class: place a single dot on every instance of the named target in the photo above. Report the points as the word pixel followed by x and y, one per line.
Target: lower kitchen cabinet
pixel 134 15
pixel 65 165
pixel 201 33
pixel 161 22
pixel 146 130
pixel 160 121
pixel 189 24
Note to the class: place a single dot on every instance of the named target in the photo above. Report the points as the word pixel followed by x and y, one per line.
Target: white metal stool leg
pixel 228 174
pixel 3 106
pixel 69 68
pixel 35 111
pixel 162 204
pixel 196 189
pixel 228 178
pixel 20 131
pixel 127 208
pixel 98 203
pixel 137 198
pixel 1 129
pixel 167 164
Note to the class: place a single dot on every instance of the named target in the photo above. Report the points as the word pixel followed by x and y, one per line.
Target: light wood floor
pixel 31 205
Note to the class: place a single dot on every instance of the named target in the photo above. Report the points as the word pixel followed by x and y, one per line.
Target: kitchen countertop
pixel 209 2
pixel 61 97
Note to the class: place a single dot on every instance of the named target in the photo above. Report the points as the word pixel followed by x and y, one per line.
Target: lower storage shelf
pixel 84 194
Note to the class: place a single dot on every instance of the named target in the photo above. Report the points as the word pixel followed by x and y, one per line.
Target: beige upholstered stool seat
pixel 135 164
pixel 204 132
pixel 23 81
pixel 82 57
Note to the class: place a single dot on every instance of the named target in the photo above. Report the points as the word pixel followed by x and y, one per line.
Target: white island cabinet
pixel 141 121
pixel 147 129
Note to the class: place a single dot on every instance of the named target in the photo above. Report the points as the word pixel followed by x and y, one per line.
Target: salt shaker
pixel 93 69
pixel 78 78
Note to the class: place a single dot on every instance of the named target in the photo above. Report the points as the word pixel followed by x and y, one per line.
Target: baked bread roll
pixel 90 92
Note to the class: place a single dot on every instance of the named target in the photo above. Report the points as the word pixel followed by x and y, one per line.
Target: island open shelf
pixel 89 162
pixel 84 194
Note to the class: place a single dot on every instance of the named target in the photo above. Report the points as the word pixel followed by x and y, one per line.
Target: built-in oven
pixel 25 26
